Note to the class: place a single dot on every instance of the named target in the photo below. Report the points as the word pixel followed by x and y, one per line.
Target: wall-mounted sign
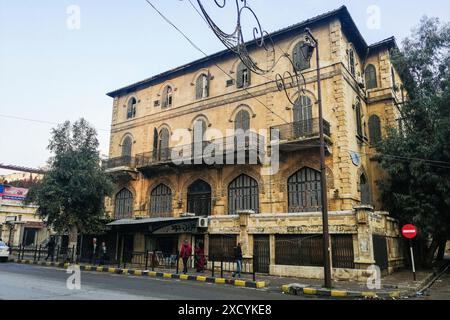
pixel 12 193
pixel 356 159
pixel 177 228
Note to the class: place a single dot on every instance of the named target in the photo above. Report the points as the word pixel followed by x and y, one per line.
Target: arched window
pixel 131 108
pixel 371 77
pixel 243 76
pixel 374 129
pixel 364 189
pixel 242 121
pixel 358 115
pixel 304 191
pixel 243 194
pixel 202 87
pixel 302 116
pixel 163 145
pixel 300 56
pixel 199 198
pixel 123 208
pixel 161 201
pixel 167 100
pixel 352 61
pixel 127 146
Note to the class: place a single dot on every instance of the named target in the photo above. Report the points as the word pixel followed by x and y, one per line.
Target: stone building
pixel 275 215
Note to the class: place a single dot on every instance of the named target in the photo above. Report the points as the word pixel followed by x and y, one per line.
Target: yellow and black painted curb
pixel 295 289
pixel 154 274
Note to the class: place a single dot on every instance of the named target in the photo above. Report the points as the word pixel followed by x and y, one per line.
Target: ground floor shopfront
pixel 275 244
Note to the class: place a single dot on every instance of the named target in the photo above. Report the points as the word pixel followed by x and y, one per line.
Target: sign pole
pixel 412 259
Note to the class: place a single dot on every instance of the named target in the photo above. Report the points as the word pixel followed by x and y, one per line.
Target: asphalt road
pixel 29 282
pixel 440 290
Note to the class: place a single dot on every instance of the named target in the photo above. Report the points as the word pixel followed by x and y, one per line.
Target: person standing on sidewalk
pixel 93 250
pixel 103 253
pixel 51 249
pixel 200 257
pixel 185 253
pixel 238 258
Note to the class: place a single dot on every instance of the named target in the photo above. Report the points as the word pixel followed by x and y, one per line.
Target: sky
pixel 58 59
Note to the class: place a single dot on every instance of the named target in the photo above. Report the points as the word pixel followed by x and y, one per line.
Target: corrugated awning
pixel 130 222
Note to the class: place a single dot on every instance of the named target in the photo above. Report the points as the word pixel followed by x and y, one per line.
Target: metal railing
pixel 41 253
pixel 123 161
pixel 301 129
pixel 202 150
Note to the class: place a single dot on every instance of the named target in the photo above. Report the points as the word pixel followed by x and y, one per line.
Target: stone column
pixel 364 247
pixel 244 217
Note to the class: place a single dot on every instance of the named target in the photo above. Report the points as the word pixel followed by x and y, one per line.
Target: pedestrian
pixel 185 253
pixel 200 257
pixel 51 248
pixel 93 250
pixel 238 259
pixel 103 253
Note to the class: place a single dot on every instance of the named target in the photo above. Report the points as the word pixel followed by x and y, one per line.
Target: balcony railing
pixel 301 130
pixel 205 151
pixel 124 161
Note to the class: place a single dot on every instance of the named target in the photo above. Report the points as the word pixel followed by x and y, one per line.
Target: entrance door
pixel 126 246
pixel 199 198
pixel 261 253
pixel 380 251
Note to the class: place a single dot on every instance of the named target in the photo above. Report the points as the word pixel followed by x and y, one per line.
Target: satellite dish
pixel 356 159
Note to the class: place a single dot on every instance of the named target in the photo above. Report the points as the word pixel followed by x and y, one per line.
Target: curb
pixel 297 289
pixel 154 274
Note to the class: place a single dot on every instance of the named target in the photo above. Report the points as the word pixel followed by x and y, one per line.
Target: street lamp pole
pixel 323 178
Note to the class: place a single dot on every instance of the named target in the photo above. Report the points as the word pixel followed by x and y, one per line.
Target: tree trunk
pixel 428 262
pixel 73 239
pixel 441 250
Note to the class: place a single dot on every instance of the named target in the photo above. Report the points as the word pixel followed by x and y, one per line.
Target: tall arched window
pixel 374 129
pixel 127 146
pixel 352 61
pixel 199 198
pixel 202 87
pixel 364 189
pixel 131 108
pixel 163 145
pixel 304 191
pixel 358 115
pixel 242 121
pixel 371 77
pixel 161 201
pixel 167 97
pixel 123 207
pixel 243 76
pixel 300 56
pixel 243 194
pixel 302 116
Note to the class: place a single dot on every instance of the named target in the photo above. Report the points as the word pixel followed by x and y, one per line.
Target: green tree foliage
pixel 418 191
pixel 71 194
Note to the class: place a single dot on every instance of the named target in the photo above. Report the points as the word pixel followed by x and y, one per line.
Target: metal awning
pixel 156 226
pixel 129 222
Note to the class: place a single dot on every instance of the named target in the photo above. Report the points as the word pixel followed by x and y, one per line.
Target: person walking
pixel 200 257
pixel 51 249
pixel 185 253
pixel 238 259
pixel 93 250
pixel 103 254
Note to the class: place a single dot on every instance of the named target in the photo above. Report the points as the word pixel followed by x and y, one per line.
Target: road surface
pixel 30 282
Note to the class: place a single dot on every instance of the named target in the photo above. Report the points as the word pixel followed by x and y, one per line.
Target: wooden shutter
pixel 300 54
pixel 304 191
pixel 161 201
pixel 243 194
pixel 127 146
pixel 199 87
pixel 239 76
pixel 374 129
pixel 242 121
pixel 371 77
pixel 358 119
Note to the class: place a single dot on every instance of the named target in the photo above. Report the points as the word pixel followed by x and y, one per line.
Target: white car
pixel 4 252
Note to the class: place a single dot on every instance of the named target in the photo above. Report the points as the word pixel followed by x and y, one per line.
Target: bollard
pixel 212 268
pixel 254 269
pixel 221 268
pixel 178 263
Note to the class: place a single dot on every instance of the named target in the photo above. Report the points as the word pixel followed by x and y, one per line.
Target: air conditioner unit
pixel 202 223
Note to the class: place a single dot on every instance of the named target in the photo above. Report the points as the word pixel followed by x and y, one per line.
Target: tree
pixel 417 157
pixel 71 195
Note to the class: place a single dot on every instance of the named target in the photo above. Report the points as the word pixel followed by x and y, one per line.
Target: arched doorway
pixel 199 198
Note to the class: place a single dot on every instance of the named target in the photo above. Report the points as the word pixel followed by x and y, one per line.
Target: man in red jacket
pixel 185 253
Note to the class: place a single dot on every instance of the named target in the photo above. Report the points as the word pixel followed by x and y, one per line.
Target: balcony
pixel 237 149
pixel 123 167
pixel 301 134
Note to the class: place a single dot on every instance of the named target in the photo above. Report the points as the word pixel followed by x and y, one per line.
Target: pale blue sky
pixel 51 73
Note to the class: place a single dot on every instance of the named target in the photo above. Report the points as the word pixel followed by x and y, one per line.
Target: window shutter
pixel 199 87
pixel 164 99
pixel 249 77
pixel 239 76
pixel 358 119
pixel 374 129
pixel 299 57
pixel 371 77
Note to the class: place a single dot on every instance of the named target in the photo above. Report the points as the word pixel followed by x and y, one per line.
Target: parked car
pixel 4 252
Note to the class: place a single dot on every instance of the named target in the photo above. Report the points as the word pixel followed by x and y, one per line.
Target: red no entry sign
pixel 409 231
